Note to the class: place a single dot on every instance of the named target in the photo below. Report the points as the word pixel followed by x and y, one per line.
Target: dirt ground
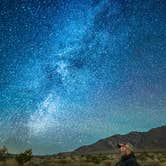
pixel 102 159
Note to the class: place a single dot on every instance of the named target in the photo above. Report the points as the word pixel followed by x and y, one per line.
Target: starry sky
pixel 75 71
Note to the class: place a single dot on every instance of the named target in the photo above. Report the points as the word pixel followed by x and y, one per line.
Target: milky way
pixel 73 72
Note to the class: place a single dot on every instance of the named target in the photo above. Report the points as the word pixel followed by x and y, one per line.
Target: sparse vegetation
pixel 24 157
pixel 3 153
pixel 102 159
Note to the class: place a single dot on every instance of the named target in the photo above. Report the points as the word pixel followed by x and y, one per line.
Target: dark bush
pixel 24 157
pixel 3 153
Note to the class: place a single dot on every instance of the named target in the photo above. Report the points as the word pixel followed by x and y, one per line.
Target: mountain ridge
pixel 154 138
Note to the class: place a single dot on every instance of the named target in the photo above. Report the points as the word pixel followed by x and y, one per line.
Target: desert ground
pixel 150 158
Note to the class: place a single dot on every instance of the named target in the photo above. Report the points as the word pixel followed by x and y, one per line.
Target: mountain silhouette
pixel 153 139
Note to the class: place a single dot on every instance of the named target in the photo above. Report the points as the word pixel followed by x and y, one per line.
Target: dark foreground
pixel 148 158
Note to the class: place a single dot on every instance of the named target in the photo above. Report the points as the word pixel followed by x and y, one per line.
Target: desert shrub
pixel 63 161
pixel 103 156
pixel 3 153
pixel 24 157
pixel 72 157
pixel 60 156
pixel 92 158
pixel 142 156
pixel 82 155
pixel 162 160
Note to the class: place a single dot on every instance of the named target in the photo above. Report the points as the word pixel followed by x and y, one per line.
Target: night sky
pixel 75 71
